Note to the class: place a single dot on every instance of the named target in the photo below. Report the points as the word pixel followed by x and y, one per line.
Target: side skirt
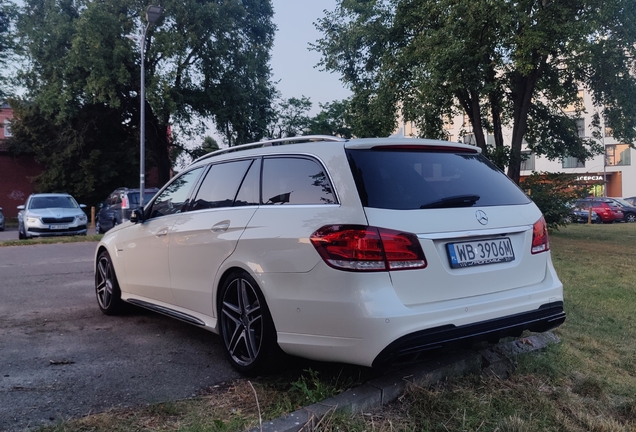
pixel 169 312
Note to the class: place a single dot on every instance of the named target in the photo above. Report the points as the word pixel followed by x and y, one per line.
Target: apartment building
pixel 614 178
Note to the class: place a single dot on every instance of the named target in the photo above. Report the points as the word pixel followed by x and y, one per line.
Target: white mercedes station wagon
pixel 363 251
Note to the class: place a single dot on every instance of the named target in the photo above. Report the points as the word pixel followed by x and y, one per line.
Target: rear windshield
pixel 412 179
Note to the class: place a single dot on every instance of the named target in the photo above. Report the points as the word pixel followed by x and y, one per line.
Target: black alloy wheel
pixel 246 327
pixel 106 286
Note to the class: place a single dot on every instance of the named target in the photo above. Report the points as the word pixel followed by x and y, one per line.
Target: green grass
pixel 586 383
pixel 51 240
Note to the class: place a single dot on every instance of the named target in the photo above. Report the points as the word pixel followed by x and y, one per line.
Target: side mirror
pixel 21 207
pixel 82 205
pixel 137 215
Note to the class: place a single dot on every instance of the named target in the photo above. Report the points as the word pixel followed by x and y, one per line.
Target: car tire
pixel 106 286
pixel 21 235
pixel 630 217
pixel 245 325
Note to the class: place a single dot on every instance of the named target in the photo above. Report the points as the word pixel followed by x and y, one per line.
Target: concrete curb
pixel 497 360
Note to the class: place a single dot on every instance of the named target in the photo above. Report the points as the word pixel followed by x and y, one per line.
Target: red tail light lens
pixel 540 240
pixel 362 248
pixel 124 201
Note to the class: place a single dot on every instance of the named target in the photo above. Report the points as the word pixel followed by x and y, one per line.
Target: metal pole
pixel 142 123
pixel 153 13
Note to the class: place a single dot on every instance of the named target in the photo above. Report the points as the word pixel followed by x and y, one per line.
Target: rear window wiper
pixel 453 201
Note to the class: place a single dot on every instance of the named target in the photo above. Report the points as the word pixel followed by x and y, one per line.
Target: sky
pixel 292 62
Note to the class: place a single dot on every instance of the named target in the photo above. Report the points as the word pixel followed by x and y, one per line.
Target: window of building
pixel 580 127
pixel 617 154
pixel 572 162
pixel 578 104
pixel 469 139
pixel 609 132
pixel 527 161
pixel 7 128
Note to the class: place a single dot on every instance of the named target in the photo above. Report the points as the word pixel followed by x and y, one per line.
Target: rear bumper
pixel 408 348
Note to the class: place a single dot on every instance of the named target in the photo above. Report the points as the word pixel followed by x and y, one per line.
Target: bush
pixel 553 193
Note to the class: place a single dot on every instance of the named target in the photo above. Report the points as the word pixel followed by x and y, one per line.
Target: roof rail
pixel 273 142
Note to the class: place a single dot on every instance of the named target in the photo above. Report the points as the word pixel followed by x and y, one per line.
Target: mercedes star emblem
pixel 481 216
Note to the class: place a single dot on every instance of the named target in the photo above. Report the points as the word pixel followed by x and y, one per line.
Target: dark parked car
pixel 582 216
pixel 628 209
pixel 607 209
pixel 117 207
pixel 1 220
pixel 631 200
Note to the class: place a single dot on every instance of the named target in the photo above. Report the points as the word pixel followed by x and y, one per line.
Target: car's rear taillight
pixel 363 248
pixel 124 201
pixel 540 240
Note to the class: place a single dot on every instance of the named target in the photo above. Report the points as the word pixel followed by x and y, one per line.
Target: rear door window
pixel 295 180
pixel 417 179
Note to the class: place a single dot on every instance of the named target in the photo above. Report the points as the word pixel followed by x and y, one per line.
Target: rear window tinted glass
pixel 407 179
pixel 295 181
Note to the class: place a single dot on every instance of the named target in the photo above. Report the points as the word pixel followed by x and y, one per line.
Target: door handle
pixel 221 226
pixel 162 232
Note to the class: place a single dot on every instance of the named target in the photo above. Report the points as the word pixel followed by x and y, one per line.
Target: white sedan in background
pixel 51 214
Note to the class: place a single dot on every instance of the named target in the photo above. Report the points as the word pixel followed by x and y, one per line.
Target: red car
pixel 605 208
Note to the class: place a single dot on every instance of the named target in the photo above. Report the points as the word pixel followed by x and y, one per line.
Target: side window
pixel 174 197
pixel 220 185
pixel 112 200
pixel 288 180
pixel 249 192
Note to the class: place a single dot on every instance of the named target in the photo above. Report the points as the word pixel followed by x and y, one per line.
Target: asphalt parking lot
pixel 60 357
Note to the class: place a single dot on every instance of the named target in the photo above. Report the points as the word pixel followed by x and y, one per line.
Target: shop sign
pixel 588 178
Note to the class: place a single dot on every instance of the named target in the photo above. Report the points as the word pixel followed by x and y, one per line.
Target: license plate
pixel 480 252
pixel 58 227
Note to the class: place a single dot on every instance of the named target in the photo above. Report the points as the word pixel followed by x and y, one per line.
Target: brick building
pixel 15 172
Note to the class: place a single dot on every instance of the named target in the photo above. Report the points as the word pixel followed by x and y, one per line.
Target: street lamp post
pixel 153 13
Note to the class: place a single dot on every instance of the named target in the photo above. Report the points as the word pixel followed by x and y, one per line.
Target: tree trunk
pixel 522 92
pixel 157 142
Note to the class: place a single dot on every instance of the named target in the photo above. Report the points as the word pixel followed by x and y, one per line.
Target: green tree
pixel 554 194
pixel 333 119
pixel 7 43
pixel 291 118
pixel 203 59
pixel 501 63
pixel 209 145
